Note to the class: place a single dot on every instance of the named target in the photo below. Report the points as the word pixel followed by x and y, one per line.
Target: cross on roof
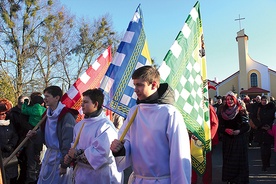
pixel 239 19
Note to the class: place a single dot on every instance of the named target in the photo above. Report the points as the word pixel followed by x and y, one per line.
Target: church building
pixel 252 79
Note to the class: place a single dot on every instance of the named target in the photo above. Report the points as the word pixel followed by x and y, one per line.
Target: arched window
pixel 254 80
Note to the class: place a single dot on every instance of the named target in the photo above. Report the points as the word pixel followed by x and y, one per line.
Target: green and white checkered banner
pixel 184 69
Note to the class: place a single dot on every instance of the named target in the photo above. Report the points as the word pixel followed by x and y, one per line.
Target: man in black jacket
pixel 20 121
pixel 265 116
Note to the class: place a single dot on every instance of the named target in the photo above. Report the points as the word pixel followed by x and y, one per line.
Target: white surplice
pixel 157 146
pixel 95 139
pixel 49 173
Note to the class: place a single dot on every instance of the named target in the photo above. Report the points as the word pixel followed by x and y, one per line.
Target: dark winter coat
pixel 20 122
pixel 235 151
pixel 8 142
pixel 265 117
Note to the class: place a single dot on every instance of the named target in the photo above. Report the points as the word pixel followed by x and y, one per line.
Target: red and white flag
pixel 90 79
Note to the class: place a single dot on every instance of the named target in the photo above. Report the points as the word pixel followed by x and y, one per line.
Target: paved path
pixel 256 175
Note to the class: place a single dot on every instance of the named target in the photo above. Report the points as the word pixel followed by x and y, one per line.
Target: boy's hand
pixel 31 133
pixel 116 146
pixel 67 159
pixel 194 137
pixel 72 152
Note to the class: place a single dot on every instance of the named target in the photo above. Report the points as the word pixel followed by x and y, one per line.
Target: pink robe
pixel 272 132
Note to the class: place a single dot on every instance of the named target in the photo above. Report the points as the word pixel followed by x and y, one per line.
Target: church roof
pixel 254 90
pixel 272 70
pixel 223 81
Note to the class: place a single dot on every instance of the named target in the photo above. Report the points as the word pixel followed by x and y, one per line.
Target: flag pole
pixel 78 136
pixel 129 124
pixel 2 171
pixel 6 161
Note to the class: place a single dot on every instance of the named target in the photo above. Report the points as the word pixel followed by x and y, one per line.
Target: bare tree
pixel 19 22
pixel 93 39
pixel 54 53
pixel 41 44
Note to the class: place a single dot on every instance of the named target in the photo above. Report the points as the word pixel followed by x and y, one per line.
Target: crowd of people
pixel 91 146
pixel 242 122
pixel 156 147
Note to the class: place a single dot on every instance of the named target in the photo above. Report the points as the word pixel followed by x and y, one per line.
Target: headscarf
pixel 230 113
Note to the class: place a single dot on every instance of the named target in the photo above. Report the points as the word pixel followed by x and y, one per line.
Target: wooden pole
pixel 2 172
pixel 129 124
pixel 5 162
pixel 78 136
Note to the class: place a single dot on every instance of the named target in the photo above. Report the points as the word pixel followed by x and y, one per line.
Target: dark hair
pixel 19 99
pixel 35 94
pixel 54 90
pixel 96 95
pixel 147 74
pixel 33 100
pixel 264 97
pixel 37 99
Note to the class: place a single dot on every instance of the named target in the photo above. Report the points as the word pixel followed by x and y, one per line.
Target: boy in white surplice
pixel 157 143
pixel 92 138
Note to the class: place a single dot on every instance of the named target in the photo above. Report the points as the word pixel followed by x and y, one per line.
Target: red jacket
pixel 214 125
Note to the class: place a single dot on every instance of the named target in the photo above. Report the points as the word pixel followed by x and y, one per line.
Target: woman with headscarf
pixel 235 125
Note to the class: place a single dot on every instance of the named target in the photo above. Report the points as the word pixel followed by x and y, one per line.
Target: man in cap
pixel 219 103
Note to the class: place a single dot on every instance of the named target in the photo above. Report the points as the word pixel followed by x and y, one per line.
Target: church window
pixel 254 80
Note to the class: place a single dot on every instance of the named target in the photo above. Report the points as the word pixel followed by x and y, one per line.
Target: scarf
pixel 94 114
pixel 4 122
pixel 53 114
pixel 150 100
pixel 229 114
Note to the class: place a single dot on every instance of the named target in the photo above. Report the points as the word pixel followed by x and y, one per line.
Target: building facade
pixel 252 79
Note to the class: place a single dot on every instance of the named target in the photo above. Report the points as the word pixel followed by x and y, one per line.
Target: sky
pixel 163 19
